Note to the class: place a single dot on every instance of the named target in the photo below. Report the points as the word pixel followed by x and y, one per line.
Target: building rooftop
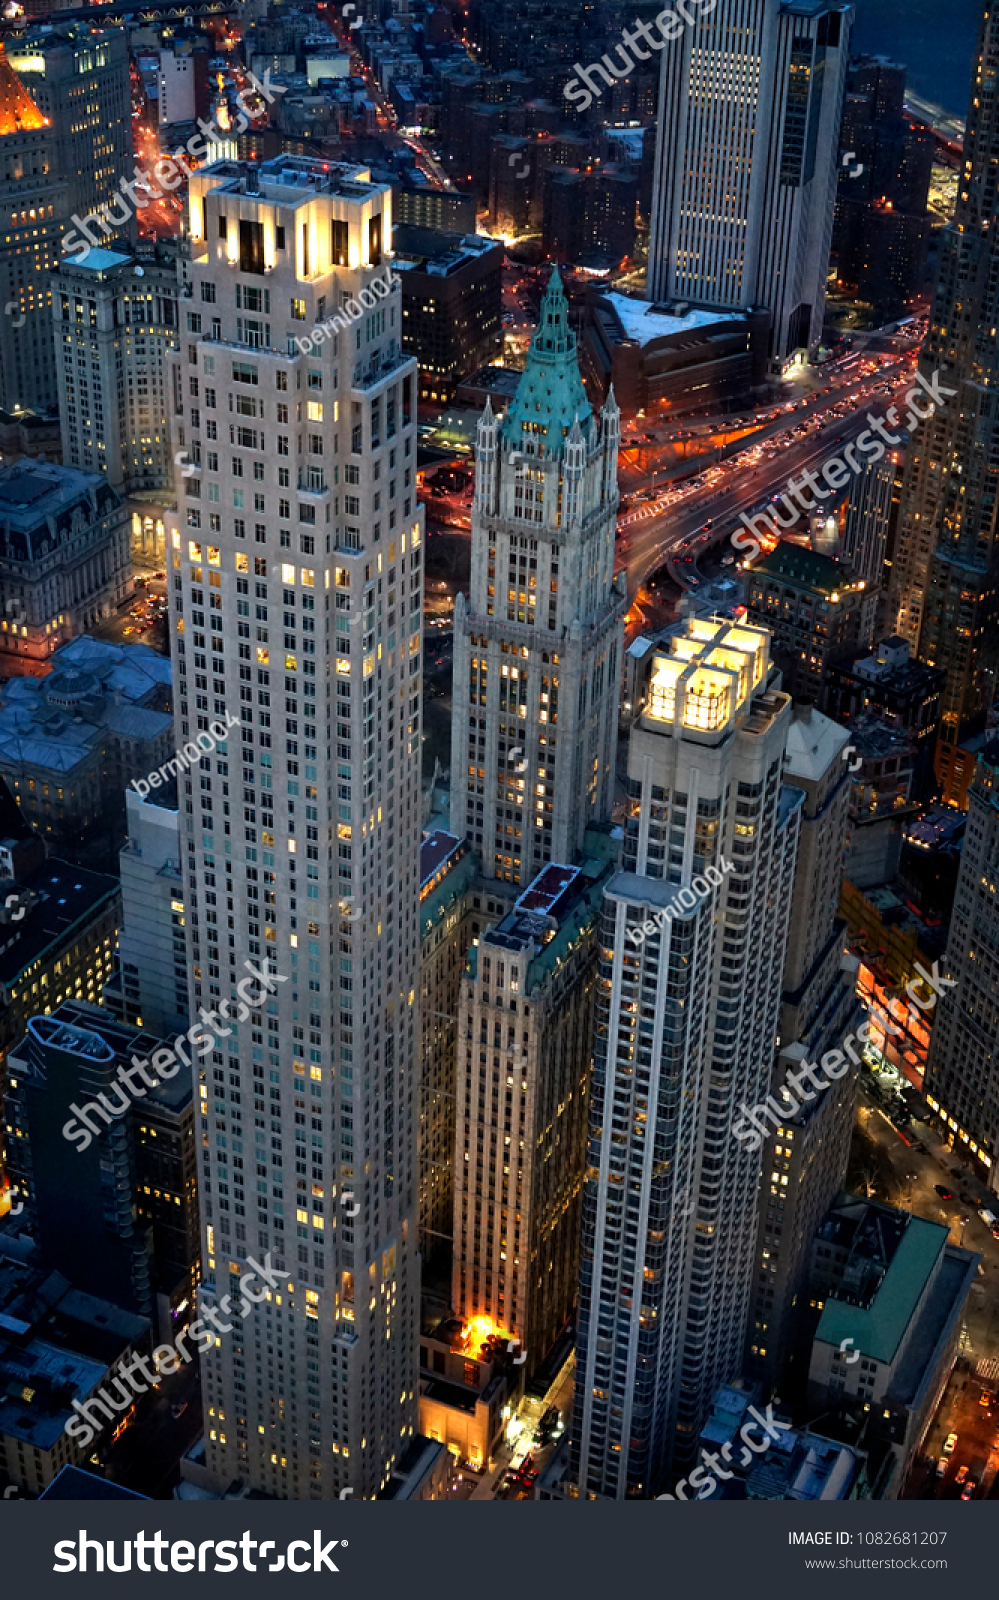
pixel 807 569
pixel 709 675
pixel 60 899
pixel 53 721
pixel 72 1483
pixel 42 504
pixel 813 742
pixel 18 112
pixel 892 1257
pixel 643 320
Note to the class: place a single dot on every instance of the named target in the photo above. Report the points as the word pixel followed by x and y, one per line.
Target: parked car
pixel 942 1466
pixel 969 1489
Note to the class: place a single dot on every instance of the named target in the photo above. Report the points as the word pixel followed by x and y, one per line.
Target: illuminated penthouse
pixel 685 1025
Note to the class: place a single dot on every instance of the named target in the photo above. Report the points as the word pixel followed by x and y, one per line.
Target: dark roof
pixel 72 1483
pixel 800 565
pixel 69 895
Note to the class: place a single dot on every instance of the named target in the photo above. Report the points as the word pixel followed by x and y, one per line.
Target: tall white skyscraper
pixel 750 99
pixel 295 570
pixel 686 1024
pixel 537 647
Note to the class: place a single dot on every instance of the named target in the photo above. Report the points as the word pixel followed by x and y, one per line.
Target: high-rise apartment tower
pixel 296 579
pixel 685 1028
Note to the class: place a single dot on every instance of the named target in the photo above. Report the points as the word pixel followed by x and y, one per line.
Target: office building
pixel 34 204
pixel 522 1110
pixel 871 522
pixel 804 1158
pixel 70 743
pixel 444 210
pixel 151 987
pixel 816 611
pixel 96 1242
pixel 537 651
pixel 962 1068
pixel 944 579
pixel 115 316
pixel 686 1022
pixel 903 692
pixel 308 823
pixel 756 90
pixel 671 356
pixel 894 1288
pixel 881 802
pixel 451 305
pixel 57 1345
pixel 881 228
pixel 78 78
pixel 66 564
pixel 58 931
pixel 447 870
pixel 799 1464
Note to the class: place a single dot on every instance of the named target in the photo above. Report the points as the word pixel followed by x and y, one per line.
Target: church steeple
pixel 550 395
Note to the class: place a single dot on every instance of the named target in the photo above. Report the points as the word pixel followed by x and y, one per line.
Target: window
pixel 375 241
pixel 251 247
pixel 339 243
pixel 244 372
pixel 279 238
pixel 298 310
pixel 208 293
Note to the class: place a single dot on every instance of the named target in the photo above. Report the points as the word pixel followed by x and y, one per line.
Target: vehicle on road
pixel 969 1489
pixel 943 1191
pixel 942 1466
pixel 960 1474
pixel 178 1409
pixel 950 1444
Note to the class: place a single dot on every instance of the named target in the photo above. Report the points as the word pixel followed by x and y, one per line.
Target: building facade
pixel 685 1027
pixel 537 652
pixel 66 564
pixel 522 1111
pixel 296 567
pixel 115 317
pixel 756 91
pixel 151 988
pixel 945 579
pixel 34 205
pixel 962 1066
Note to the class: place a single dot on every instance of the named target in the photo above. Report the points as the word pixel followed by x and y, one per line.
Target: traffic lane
pixel 647 543
pixel 148 1454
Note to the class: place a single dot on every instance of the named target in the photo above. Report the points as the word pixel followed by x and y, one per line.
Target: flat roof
pixel 877 1330
pixel 645 320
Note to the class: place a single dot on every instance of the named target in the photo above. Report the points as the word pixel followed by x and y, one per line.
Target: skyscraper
pixel 114 317
pixel 77 75
pixel 686 1021
pixel 944 580
pixel 34 203
pixel 962 1065
pixel 750 98
pixel 538 645
pixel 300 603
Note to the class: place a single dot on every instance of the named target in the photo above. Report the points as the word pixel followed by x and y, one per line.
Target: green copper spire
pixel 550 395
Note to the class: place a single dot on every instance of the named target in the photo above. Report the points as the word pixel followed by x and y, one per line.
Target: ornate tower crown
pixel 550 395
